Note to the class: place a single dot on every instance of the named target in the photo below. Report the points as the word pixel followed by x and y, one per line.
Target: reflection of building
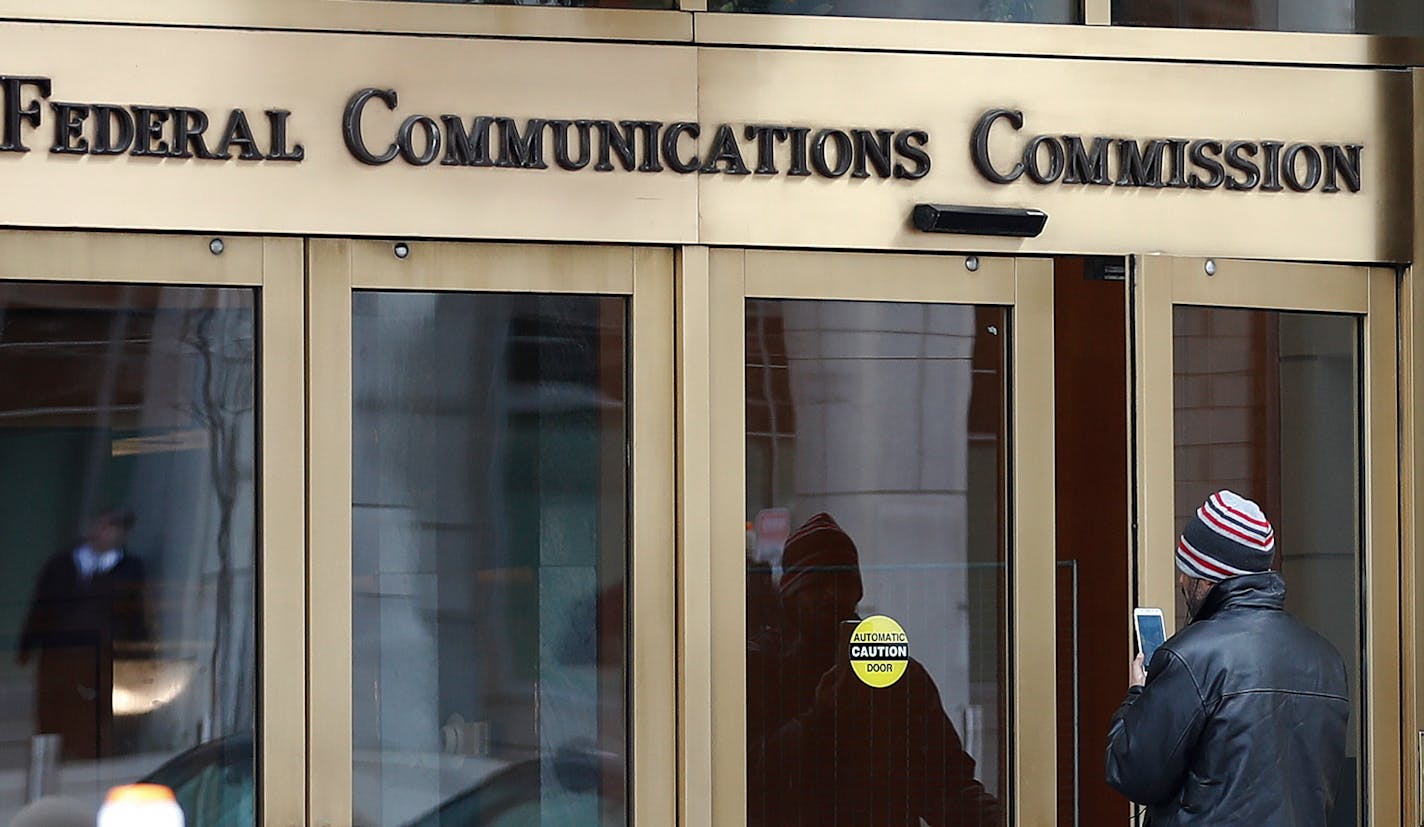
pixel 877 417
pixel 480 560
pixel 145 397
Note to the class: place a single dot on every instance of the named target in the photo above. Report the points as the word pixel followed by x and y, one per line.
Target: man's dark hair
pixel 122 516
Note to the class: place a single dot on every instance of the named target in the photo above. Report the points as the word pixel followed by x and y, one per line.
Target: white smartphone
pixel 1151 631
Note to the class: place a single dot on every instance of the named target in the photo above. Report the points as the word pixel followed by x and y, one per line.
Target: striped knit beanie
pixel 1227 537
pixel 819 545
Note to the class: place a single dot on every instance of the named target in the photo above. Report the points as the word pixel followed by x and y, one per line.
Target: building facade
pixel 405 407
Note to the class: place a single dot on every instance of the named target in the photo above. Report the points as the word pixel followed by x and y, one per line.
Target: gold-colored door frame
pixel 1410 402
pixel 274 267
pixel 1162 282
pixel 336 268
pixel 713 286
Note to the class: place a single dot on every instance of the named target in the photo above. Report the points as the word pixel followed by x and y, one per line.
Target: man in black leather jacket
pixel 1240 718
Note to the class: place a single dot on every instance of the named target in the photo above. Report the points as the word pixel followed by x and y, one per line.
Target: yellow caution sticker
pixel 879 651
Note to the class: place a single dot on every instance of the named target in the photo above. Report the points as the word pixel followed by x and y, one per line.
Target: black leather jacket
pixel 1242 720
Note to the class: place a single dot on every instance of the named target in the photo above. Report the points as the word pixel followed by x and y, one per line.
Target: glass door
pixel 151 466
pixel 879 444
pixel 1278 382
pixel 491 505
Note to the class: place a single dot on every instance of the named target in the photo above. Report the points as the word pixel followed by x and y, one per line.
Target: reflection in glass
pixel 489 559
pixel 602 4
pixel 1268 405
pixel 127 467
pixel 875 486
pixel 1008 11
pixel 1391 17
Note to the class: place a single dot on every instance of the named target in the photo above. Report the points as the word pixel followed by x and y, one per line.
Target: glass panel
pixel 1268 405
pixel 490 535
pixel 602 4
pixel 1391 17
pixel 887 421
pixel 1019 11
pixel 127 563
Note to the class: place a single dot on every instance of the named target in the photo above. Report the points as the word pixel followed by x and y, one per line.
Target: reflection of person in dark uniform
pixel 88 600
pixel 827 750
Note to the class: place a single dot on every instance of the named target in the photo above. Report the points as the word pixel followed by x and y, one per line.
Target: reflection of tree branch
pixel 223 394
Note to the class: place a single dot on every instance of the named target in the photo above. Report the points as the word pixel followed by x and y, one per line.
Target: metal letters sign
pixel 641 145
pixel 682 147
pixel 138 130
pixel 1177 163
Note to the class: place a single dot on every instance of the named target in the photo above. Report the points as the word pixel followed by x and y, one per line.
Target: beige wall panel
pixel 946 95
pixel 330 192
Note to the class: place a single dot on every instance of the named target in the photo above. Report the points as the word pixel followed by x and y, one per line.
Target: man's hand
pixel 1139 671
pixel 829 688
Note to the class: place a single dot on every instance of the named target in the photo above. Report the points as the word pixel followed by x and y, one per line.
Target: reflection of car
pixel 213 782
pixel 514 797
pixel 214 785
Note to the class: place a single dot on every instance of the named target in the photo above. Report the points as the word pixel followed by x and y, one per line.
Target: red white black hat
pixel 1228 537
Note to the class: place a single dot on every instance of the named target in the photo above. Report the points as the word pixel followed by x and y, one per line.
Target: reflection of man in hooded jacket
pixel 89 600
pixel 828 750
